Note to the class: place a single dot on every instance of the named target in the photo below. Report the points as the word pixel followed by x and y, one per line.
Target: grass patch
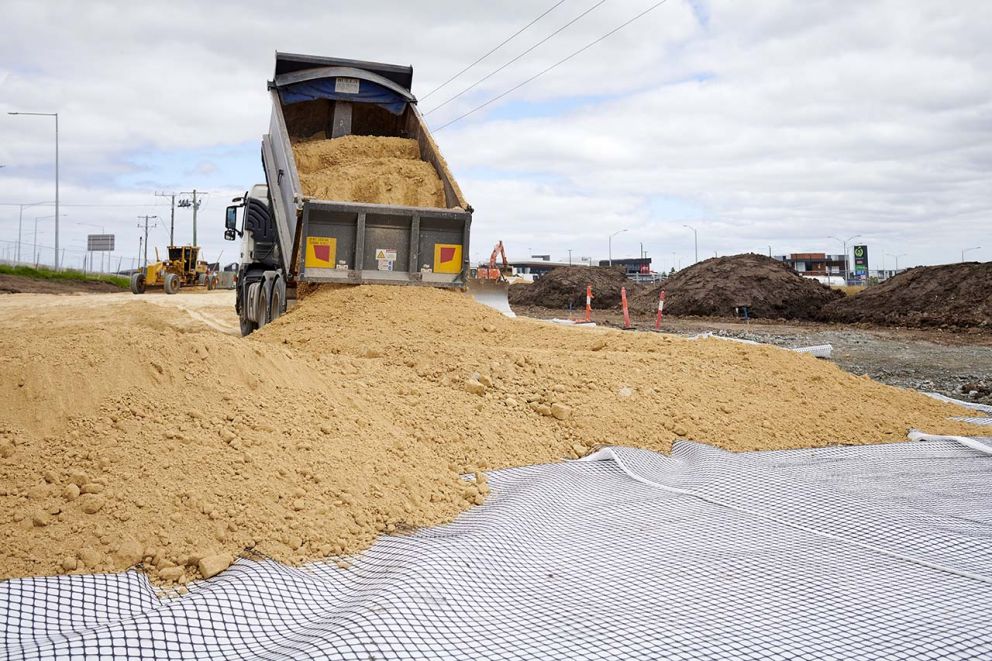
pixel 68 274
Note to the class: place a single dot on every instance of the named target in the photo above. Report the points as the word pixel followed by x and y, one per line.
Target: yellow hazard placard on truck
pixel 447 258
pixel 321 252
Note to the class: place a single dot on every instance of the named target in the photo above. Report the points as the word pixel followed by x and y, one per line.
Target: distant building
pixel 814 263
pixel 537 266
pixel 632 265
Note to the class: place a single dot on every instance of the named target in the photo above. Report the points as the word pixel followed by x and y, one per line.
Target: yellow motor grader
pixel 183 268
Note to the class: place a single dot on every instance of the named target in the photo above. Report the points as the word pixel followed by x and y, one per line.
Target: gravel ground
pixel 954 363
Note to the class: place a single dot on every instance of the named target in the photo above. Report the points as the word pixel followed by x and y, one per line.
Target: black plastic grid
pixel 874 552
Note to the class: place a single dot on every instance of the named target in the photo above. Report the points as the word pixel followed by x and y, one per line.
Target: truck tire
pixel 137 283
pixel 171 283
pixel 262 305
pixel 247 326
pixel 277 299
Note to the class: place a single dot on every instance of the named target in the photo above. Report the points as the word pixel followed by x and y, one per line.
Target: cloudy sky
pixel 771 124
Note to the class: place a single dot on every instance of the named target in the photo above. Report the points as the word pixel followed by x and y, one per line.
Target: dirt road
pixel 954 363
pixel 214 309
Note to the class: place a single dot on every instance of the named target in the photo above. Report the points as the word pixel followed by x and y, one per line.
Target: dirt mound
pixel 565 287
pixel 714 287
pixel 130 433
pixel 372 169
pixel 949 295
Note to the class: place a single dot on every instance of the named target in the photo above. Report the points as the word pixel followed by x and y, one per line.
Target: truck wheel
pixel 262 305
pixel 171 283
pixel 277 299
pixel 247 326
pixel 137 283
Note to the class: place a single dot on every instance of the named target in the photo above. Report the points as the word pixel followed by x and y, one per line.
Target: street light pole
pixel 695 237
pixel 902 254
pixel 968 250
pixel 611 244
pixel 56 116
pixel 20 220
pixel 844 241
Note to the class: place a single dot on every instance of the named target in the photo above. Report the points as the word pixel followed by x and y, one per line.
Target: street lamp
pixel 902 254
pixel 968 250
pixel 844 241
pixel 56 116
pixel 20 221
pixel 611 243
pixel 695 237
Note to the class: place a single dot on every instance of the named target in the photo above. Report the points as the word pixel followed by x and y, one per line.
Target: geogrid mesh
pixel 872 552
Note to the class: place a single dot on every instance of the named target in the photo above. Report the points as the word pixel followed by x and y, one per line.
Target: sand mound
pixel 368 169
pixel 131 434
pixel 716 286
pixel 566 286
pixel 949 295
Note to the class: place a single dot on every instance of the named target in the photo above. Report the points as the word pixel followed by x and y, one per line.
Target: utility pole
pixel 172 218
pixel 569 256
pixel 147 218
pixel 192 203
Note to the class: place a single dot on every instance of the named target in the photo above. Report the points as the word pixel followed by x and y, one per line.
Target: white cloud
pixel 776 122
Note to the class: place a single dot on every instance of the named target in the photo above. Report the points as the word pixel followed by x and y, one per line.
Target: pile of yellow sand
pixel 368 169
pixel 129 434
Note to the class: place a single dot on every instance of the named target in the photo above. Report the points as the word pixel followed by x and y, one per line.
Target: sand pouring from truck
pixel 289 237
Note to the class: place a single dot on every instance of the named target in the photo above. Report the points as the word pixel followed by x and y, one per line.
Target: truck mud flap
pixel 491 293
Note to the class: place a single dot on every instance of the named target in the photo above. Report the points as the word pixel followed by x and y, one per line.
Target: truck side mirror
pixel 231 220
pixel 229 235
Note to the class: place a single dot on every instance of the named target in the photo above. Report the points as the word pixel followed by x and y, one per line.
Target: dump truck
pixel 289 238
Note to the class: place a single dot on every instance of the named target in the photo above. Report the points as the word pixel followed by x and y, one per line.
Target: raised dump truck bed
pixel 290 237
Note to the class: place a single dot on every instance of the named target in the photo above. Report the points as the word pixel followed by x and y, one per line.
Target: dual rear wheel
pixel 269 303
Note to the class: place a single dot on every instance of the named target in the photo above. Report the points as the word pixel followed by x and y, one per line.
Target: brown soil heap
pixel 130 433
pixel 566 286
pixel 371 169
pixel 949 295
pixel 714 287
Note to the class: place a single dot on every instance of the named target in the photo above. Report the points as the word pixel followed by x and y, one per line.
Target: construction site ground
pixel 957 363
pixel 144 429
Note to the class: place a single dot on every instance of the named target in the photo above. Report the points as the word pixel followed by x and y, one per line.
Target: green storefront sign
pixel 861 262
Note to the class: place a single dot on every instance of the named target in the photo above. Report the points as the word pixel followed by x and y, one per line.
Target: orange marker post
pixel 626 312
pixel 661 308
pixel 588 302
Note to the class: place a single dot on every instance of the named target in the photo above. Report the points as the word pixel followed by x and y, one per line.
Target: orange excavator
pixel 492 272
pixel 489 285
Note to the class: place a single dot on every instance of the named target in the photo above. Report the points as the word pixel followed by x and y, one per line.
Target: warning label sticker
pixel 346 85
pixel 321 252
pixel 385 254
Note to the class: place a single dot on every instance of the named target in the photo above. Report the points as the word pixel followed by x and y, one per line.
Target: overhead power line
pixel 553 66
pixel 501 44
pixel 496 71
